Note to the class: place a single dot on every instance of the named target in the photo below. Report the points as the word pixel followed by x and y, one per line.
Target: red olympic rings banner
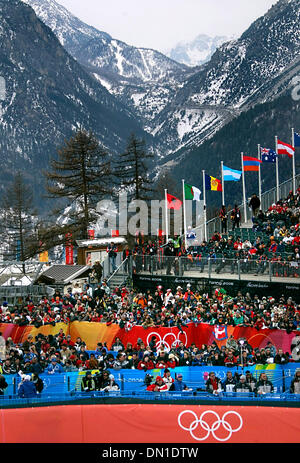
pixel 92 333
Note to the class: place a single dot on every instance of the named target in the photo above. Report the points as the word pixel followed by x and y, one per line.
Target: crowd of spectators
pixel 274 237
pixel 101 303
pixel 168 308
pixel 163 307
pixel 58 354
pixel 242 383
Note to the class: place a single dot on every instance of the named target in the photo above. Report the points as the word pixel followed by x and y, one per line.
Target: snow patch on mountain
pixel 102 81
pixel 197 51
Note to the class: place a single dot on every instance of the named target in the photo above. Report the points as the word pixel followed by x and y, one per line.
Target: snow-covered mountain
pixel 255 68
pixel 179 105
pixel 84 76
pixel 48 96
pixel 143 79
pixel 197 51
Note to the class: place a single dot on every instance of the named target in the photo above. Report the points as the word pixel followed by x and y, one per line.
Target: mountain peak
pixel 197 51
pixel 49 96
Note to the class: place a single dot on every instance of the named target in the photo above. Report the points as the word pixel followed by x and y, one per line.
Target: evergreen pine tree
pixel 132 169
pixel 19 222
pixel 81 176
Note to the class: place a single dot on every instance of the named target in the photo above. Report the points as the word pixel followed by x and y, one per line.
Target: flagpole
pixel 166 217
pixel 294 166
pixel 184 214
pixel 204 205
pixel 277 169
pixel 222 177
pixel 244 190
pixel 259 172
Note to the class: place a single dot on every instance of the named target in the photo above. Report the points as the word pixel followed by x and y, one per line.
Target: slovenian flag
pixel 268 155
pixel 231 174
pixel 285 148
pixel 251 164
pixel 191 192
pixel 212 183
pixel 296 139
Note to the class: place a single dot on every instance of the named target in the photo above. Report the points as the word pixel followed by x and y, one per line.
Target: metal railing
pixel 241 269
pixel 124 270
pixel 14 400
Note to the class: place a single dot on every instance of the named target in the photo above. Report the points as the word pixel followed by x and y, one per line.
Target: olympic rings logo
pixel 214 427
pixel 163 342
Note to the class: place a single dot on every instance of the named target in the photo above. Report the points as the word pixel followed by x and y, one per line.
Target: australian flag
pixel 268 155
pixel 296 139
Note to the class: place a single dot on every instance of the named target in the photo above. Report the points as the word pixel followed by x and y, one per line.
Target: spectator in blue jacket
pixel 27 388
pixel 179 385
pixel 54 366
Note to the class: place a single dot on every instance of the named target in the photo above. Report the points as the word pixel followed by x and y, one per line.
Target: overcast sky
pixel 160 24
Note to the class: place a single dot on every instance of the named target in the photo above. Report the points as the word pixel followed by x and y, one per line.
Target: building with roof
pixel 93 250
pixel 63 276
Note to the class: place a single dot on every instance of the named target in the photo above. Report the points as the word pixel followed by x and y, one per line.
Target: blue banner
pixel 133 380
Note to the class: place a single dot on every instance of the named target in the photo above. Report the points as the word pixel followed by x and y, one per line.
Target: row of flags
pixel 248 163
pixel 193 193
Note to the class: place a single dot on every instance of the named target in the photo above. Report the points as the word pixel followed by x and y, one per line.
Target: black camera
pixel 147 380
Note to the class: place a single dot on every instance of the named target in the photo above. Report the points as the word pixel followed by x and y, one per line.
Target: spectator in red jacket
pixel 260 323
pixel 146 363
pixel 172 361
pixel 68 342
pixel 230 360
pixel 158 386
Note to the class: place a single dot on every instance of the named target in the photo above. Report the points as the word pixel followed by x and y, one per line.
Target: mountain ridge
pixel 197 51
pixel 48 96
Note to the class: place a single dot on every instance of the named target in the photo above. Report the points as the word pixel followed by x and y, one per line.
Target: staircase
pixel 121 276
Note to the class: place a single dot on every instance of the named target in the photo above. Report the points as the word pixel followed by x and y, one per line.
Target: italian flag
pixel 191 192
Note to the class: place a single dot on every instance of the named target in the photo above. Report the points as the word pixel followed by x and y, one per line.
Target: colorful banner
pixel 91 234
pixel 201 334
pixel 139 423
pixel 69 249
pixel 92 333
pixel 19 334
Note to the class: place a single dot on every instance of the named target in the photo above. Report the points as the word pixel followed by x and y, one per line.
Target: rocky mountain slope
pixel 143 79
pixel 255 68
pixel 48 95
pixel 183 106
pixel 85 77
pixel 258 125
